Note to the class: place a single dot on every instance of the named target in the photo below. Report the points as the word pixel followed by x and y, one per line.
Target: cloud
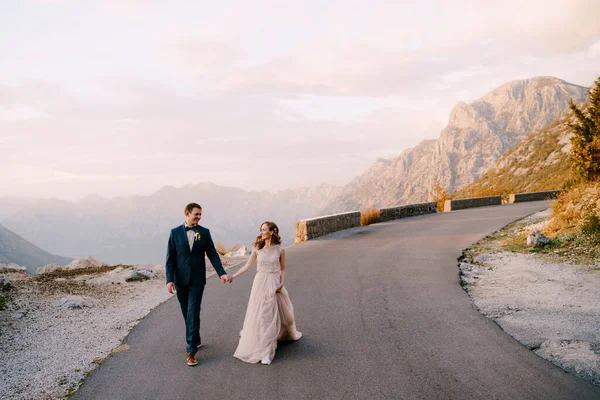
pixel 401 51
pixel 17 112
pixel 157 137
pixel 201 55
pixel 143 94
pixel 465 74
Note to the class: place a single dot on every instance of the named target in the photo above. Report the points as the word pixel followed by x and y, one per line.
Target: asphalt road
pixel 383 317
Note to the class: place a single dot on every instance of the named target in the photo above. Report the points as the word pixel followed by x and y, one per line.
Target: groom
pixel 186 272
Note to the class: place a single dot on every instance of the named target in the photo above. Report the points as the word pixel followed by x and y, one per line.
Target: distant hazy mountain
pixel 15 249
pixel 537 163
pixel 476 136
pixel 135 229
pixel 11 204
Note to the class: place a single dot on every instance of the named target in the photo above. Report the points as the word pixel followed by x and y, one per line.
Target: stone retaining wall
pixel 460 204
pixel 533 196
pixel 409 210
pixel 311 228
pixel 307 229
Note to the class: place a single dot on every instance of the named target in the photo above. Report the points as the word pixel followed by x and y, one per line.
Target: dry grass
pixel 576 249
pixel 370 215
pixel 439 195
pixel 532 154
pixel 576 209
pixel 222 249
pixel 65 282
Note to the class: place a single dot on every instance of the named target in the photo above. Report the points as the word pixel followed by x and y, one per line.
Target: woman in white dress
pixel 270 314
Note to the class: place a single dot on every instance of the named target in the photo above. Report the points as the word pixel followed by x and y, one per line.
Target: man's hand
pixel 226 278
pixel 171 287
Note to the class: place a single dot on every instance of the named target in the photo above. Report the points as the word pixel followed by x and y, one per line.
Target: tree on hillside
pixel 586 142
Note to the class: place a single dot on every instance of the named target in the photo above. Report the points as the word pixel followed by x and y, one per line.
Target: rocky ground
pixel 58 325
pixel 543 299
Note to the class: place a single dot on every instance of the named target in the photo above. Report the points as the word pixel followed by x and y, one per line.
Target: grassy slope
pixel 537 163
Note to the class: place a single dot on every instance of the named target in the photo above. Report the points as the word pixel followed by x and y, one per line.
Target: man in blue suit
pixel 186 272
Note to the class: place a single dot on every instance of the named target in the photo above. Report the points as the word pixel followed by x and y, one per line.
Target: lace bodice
pixel 268 259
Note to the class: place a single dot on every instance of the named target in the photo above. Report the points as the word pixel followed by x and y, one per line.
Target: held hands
pixel 224 278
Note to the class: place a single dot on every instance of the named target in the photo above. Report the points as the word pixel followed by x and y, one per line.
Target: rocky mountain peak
pixel 476 136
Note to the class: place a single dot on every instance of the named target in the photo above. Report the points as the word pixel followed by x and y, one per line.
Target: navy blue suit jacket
pixel 185 267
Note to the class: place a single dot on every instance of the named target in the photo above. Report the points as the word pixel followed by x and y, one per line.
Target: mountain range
pixel 135 229
pixel 476 136
pixel 537 163
pixel 15 249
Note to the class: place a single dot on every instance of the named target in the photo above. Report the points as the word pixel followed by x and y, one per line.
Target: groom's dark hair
pixel 191 206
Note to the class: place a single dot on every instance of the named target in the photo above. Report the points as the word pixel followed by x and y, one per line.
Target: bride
pixel 270 314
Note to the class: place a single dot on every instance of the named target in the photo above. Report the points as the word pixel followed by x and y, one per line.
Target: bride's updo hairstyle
pixel 259 243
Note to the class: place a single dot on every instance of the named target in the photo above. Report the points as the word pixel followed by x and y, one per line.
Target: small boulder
pixel 537 239
pixel 241 252
pixel 121 275
pixel 49 268
pixel 134 275
pixel 12 267
pixel 74 302
pixel 85 262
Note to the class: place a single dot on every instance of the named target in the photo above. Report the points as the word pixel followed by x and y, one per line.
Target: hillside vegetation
pixel 539 162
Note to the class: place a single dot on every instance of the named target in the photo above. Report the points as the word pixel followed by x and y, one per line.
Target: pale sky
pixel 122 97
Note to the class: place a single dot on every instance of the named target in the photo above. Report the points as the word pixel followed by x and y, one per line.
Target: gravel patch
pixel 553 308
pixel 57 327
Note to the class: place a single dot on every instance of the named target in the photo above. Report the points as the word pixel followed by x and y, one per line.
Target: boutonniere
pixel 197 236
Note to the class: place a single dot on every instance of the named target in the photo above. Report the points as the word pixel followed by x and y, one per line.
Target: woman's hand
pixel 279 289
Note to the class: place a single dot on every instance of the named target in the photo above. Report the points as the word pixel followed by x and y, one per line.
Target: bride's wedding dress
pixel 270 315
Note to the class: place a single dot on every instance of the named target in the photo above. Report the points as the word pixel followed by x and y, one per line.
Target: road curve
pixel 383 317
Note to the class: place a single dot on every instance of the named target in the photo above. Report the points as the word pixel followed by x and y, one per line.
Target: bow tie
pixel 191 228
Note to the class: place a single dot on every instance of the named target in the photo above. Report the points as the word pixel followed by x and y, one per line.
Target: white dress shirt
pixel 190 236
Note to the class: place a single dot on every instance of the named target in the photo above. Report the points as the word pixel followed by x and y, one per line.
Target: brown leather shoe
pixel 199 344
pixel 191 359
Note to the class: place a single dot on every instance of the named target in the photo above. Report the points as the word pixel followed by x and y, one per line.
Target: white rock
pixel 157 269
pixel 85 262
pixel 537 239
pixel 12 267
pixel 241 252
pixel 73 302
pixel 121 275
pixel 134 275
pixel 49 268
